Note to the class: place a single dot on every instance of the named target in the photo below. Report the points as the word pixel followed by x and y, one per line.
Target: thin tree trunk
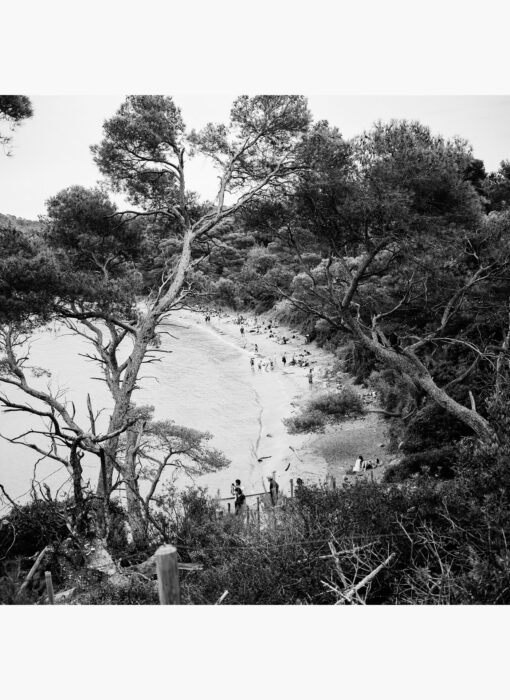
pixel 135 507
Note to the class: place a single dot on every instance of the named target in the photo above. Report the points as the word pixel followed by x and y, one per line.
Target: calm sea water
pixel 204 383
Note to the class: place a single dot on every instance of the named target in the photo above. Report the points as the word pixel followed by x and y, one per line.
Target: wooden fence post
pixel 258 512
pixel 49 587
pixel 292 488
pixel 333 483
pixel 32 571
pixel 228 506
pixel 247 515
pixel 168 575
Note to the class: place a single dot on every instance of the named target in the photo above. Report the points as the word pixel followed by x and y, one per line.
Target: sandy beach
pixel 314 458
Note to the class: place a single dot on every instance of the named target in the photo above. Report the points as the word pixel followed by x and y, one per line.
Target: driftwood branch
pixel 347 596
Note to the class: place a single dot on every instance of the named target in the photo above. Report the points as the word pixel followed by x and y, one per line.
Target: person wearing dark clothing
pixel 273 490
pixel 284 360
pixel 240 498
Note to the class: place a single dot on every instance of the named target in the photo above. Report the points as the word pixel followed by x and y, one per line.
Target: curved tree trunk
pixel 408 364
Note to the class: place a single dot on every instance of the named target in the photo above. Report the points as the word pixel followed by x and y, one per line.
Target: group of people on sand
pixel 240 498
pixel 298 359
pixel 269 364
pixel 260 328
pixel 263 363
pixel 363 465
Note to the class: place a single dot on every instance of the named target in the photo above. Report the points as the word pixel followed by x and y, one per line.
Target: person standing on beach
pixel 240 498
pixel 310 376
pixel 256 347
pixel 284 361
pixel 273 490
pixel 252 362
pixel 242 330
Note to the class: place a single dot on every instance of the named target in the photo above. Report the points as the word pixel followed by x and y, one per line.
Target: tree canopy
pixel 14 109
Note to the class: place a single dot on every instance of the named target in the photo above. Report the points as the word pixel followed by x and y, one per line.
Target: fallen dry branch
pixel 347 596
pixel 221 598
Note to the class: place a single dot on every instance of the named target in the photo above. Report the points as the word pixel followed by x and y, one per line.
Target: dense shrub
pixel 323 408
pixel 435 462
pixel 339 404
pixel 359 361
pixel 307 421
pixel 393 391
pixel 449 540
pixel 29 528
pixel 432 427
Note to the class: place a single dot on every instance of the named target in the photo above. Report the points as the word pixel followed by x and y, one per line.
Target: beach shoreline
pixel 312 457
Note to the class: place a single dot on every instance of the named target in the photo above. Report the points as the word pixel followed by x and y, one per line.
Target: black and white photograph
pixel 254 350
pixel 259 361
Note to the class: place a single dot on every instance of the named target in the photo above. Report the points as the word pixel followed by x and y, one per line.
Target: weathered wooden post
pixel 292 488
pixel 34 568
pixel 228 506
pixel 168 575
pixel 333 483
pixel 247 515
pixel 49 588
pixel 258 512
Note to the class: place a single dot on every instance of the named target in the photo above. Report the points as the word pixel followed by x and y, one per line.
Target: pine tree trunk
pixel 411 366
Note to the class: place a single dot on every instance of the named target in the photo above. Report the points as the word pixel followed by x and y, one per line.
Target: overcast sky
pixel 51 150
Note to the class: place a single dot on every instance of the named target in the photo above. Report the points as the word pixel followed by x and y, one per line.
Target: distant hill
pixel 8 220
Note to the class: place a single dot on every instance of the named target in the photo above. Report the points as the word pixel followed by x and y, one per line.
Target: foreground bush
pixel 449 540
pixel 448 543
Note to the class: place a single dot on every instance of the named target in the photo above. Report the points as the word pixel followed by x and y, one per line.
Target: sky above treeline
pixel 51 150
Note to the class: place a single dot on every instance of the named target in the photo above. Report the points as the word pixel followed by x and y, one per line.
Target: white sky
pixel 51 150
